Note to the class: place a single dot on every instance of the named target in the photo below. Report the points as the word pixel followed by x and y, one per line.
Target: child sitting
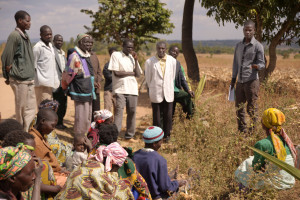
pixel 82 146
pixel 100 117
pixel 153 167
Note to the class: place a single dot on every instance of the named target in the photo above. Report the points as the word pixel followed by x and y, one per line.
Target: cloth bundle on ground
pixel 277 144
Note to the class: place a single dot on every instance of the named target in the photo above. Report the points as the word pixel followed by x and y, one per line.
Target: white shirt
pixel 45 66
pixel 120 62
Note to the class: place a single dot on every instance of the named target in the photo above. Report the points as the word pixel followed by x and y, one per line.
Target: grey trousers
pixel 83 115
pixel 130 101
pixel 25 102
pixel 247 93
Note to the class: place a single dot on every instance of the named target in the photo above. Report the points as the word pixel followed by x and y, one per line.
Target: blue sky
pixel 65 18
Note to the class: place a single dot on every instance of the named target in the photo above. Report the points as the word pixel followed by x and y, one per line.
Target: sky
pixel 65 18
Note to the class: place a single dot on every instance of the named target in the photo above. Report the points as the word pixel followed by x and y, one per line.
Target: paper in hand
pixel 231 95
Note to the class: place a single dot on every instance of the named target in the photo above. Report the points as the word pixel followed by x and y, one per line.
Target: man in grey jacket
pixel 18 69
pixel 248 60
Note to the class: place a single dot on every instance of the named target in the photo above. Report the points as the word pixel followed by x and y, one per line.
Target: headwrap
pixel 13 159
pixel 99 117
pixel 273 119
pixel 82 35
pixel 50 104
pixel 114 154
pixel 153 134
pixel 102 115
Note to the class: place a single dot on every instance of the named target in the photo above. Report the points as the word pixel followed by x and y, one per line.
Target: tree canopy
pixel 138 20
pixel 277 21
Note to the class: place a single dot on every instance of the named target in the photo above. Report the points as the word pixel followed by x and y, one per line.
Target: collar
pixel 81 53
pixel 43 44
pixel 37 133
pixel 252 41
pixel 147 149
pixel 161 59
pixel 124 55
pixel 60 51
pixel 23 34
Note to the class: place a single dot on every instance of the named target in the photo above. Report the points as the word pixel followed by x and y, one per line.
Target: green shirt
pixel 18 53
pixel 267 146
pixel 175 88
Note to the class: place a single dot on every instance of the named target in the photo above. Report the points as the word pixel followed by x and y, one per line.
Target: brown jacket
pixel 97 70
pixel 43 151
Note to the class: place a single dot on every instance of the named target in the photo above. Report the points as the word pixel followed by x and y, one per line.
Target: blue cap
pixel 153 134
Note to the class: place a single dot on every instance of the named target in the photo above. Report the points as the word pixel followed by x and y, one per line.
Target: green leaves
pixel 138 20
pixel 200 88
pixel 283 165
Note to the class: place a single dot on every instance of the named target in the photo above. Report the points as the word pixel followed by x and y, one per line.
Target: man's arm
pixel 259 62
pixel 36 55
pixel 234 68
pixel 137 71
pixel 8 55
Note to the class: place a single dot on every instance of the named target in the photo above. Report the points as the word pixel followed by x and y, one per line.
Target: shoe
pixel 167 139
pixel 131 140
pixel 61 127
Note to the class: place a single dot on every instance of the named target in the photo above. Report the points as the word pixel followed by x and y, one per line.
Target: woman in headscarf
pixel 97 178
pixel 108 134
pixel 18 172
pixel 277 143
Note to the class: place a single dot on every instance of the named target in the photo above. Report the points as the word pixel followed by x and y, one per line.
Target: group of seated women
pixel 99 167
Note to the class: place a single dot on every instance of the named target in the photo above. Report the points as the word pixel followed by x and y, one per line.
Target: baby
pixel 82 146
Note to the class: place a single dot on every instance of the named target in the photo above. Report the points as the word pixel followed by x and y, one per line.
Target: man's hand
pixel 134 55
pixel 254 66
pixel 191 93
pixel 39 166
pixel 8 68
pixel 97 85
pixel 182 182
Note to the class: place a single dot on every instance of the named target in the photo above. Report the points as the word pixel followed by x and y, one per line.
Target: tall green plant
pixel 283 165
pixel 200 88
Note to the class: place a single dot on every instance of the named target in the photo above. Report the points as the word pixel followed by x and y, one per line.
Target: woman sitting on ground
pixel 49 187
pixel 97 177
pixel 18 172
pixel 277 143
pixel 108 134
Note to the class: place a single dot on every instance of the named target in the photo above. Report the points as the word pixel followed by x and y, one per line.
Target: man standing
pixel 98 76
pixel 59 95
pixel 109 99
pixel 125 67
pixel 46 78
pixel 160 71
pixel 18 69
pixel 248 60
pixel 81 88
pixel 182 92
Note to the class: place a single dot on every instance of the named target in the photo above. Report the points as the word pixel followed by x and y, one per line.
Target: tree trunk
pixel 187 41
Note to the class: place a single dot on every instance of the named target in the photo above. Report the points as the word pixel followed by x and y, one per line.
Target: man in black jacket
pixel 182 92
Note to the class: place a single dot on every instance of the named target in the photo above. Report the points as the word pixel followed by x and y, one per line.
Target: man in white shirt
pixel 125 68
pixel 160 71
pixel 59 94
pixel 46 77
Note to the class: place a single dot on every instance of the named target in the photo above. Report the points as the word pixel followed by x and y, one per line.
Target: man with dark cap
pixel 81 88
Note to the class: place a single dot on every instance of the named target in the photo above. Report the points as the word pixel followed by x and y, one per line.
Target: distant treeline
pixel 202 47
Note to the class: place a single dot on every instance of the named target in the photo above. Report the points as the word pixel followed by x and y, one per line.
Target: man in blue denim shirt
pixel 248 60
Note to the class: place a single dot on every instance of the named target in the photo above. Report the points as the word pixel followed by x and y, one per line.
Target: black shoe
pixel 167 139
pixel 61 127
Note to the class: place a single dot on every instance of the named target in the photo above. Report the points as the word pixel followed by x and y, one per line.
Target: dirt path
pixel 7 110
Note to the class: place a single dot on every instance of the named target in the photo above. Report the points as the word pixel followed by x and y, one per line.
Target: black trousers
pixel 167 109
pixel 60 96
pixel 95 105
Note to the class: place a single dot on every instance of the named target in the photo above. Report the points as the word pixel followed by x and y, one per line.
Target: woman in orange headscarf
pixel 277 143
